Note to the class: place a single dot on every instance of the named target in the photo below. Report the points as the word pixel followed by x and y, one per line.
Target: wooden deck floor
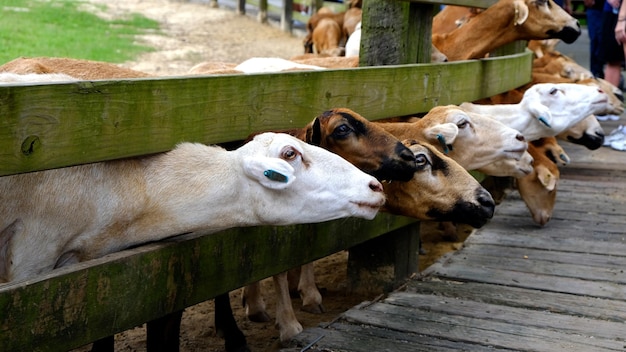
pixel 514 286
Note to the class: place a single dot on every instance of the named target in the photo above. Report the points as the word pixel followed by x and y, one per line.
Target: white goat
pixel 547 109
pixel 52 218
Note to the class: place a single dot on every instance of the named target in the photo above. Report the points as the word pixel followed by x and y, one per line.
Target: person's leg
pixel 594 28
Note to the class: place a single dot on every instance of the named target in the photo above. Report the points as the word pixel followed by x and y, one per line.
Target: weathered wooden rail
pixel 44 126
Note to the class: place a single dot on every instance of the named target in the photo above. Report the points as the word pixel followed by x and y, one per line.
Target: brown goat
pixel 439 189
pixel 504 22
pixel 538 189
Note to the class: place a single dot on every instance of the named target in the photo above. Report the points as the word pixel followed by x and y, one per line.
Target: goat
pixel 77 68
pixel 327 38
pixel 504 22
pixel 366 146
pixel 313 22
pixel 587 132
pixel 547 109
pixel 538 189
pixel 432 193
pixel 84 212
pixel 470 139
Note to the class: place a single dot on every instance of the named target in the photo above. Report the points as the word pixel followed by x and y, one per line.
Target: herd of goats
pixel 118 204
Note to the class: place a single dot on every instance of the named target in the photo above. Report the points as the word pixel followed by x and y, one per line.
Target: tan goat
pixel 370 148
pixel 538 189
pixel 77 68
pixel 471 139
pixel 504 22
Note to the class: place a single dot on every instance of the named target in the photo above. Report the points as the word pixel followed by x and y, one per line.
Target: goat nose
pixel 520 138
pixel 376 186
pixel 486 200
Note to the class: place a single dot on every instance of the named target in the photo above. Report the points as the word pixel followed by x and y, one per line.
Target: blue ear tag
pixel 275 176
pixel 442 141
pixel 544 121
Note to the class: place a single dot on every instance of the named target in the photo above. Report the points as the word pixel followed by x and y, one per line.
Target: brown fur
pixel 452 17
pixel 496 26
pixel 77 68
pixel 538 189
pixel 328 38
pixel 313 23
pixel 362 143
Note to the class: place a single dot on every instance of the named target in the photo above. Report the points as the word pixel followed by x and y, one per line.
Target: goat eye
pixel 342 130
pixel 289 153
pixel 462 124
pixel 421 160
pixel 553 91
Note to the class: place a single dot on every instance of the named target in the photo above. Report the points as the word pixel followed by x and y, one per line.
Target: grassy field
pixel 60 28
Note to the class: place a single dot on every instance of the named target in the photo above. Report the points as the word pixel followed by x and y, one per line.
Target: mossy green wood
pixel 56 125
pixel 76 305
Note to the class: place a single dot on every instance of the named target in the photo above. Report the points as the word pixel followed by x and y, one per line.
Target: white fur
pixel 8 77
pixel 272 64
pixel 476 139
pixel 562 105
pixel 84 212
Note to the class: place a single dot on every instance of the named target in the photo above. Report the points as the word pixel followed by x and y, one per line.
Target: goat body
pixel 84 212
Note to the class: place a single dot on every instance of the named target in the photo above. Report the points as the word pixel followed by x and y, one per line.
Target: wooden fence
pixel 44 126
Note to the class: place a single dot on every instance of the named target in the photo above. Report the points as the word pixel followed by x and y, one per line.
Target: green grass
pixel 58 28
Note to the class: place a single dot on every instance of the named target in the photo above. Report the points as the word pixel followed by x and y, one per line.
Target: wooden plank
pixel 561 303
pixel 602 261
pixel 552 270
pixel 341 337
pixel 566 324
pixel 48 126
pixel 463 272
pixel 479 331
pixel 73 306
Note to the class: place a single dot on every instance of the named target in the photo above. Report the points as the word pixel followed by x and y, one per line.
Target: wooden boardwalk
pixel 514 286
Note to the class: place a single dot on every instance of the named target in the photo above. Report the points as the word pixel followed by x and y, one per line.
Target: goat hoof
pixel 260 317
pixel 313 308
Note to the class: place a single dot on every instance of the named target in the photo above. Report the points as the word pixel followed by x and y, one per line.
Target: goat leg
pixel 226 326
pixel 163 334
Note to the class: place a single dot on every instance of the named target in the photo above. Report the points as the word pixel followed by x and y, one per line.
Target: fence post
pixel 241 7
pixel 286 18
pixel 262 16
pixel 392 34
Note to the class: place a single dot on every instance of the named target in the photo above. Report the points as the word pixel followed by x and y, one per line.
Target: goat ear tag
pixel 275 176
pixel 272 173
pixel 442 142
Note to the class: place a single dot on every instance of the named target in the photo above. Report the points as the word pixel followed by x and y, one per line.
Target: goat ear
pixel 521 12
pixel 314 132
pixel 538 111
pixel 448 131
pixel 272 173
pixel 547 178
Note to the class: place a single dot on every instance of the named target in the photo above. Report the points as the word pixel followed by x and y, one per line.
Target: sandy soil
pixel 193 33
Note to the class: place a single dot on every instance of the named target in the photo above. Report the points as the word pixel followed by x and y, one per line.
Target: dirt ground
pixel 193 33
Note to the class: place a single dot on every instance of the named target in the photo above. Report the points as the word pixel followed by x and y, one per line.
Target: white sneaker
pixel 619 145
pixel 618 134
pixel 607 117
